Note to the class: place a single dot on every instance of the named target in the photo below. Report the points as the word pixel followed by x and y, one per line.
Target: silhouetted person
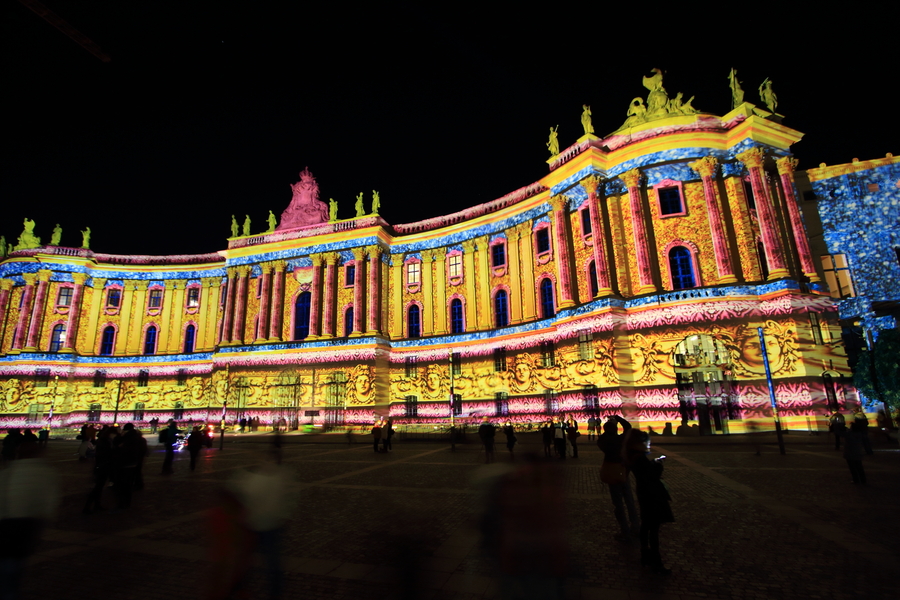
pixel 854 450
pixel 127 455
pixel 510 432
pixel 653 498
pixel 616 476
pixel 387 432
pixel 547 438
pixel 376 435
pixel 103 462
pixel 169 439
pixel 195 444
pixel 837 425
pixel 11 444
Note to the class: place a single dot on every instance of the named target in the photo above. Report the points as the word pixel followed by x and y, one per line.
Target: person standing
pixel 195 444
pixel 169 438
pixel 510 432
pixel 486 433
pixel 387 432
pixel 103 462
pixel 860 419
pixel 547 438
pixel 653 498
pixel 127 455
pixel 591 427
pixel 572 434
pixel 854 450
pixel 837 425
pixel 615 474
pixel 559 438
pixel 376 434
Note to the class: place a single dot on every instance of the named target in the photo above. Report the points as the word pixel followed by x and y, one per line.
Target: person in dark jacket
pixel 510 432
pixel 486 433
pixel 547 438
pixel 612 443
pixel 653 499
pixel 169 438
pixel 126 457
pixel 195 444
pixel 854 450
pixel 103 463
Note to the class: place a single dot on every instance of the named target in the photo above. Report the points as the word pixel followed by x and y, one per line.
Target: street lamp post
pixel 118 398
pixel 224 410
pixel 765 356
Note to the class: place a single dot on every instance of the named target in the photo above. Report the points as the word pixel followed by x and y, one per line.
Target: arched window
pixel 150 340
pixel 413 321
pixel 58 338
pixel 681 268
pixel 348 322
pixel 457 324
pixel 592 276
pixel 501 309
pixel 189 334
pixel 108 341
pixel 301 316
pixel 548 307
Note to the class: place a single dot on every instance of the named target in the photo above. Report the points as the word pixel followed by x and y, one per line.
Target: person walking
pixel 510 432
pixel 103 462
pixel 559 438
pixel 387 432
pixel 126 456
pixel 169 437
pixel 547 438
pixel 854 450
pixel 653 499
pixel 859 418
pixel 376 434
pixel 195 444
pixel 486 433
pixel 837 425
pixel 591 427
pixel 615 474
pixel 572 434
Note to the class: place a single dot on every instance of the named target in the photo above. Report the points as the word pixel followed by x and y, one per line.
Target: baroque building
pixel 638 276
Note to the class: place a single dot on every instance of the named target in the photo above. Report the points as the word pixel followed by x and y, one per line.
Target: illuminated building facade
pixel 632 277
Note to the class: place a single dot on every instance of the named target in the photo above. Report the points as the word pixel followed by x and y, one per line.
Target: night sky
pixel 213 108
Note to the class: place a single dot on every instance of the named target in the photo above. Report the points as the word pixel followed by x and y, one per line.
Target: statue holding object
pixel 273 222
pixel 332 210
pixel 56 236
pixel 86 238
pixel 737 93
pixel 2 246
pixel 586 119
pixel 246 228
pixel 305 207
pixel 234 227
pixel 553 142
pixel 360 209
pixel 767 95
pixel 376 202
pixel 27 239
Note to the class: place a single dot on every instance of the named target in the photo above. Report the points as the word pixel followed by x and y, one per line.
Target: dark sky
pixel 212 108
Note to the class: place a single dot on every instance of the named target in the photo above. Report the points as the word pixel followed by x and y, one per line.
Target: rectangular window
pixel 35 413
pixel 412 367
pixel 816 328
pixel 498 255
pixel 837 275
pixel 99 378
pixel 548 354
pixel 454 264
pixel 94 413
pixel 178 413
pixel 669 201
pixel 499 359
pixel 501 404
pixel 413 273
pixel 591 403
pixel 193 297
pixel 551 403
pixel 542 240
pixel 155 300
pixel 138 413
pixel 42 378
pixel 457 405
pixel 585 221
pixel 349 274
pixel 65 297
pixel 113 297
pixel 412 406
pixel 586 345
pixel 456 364
pixel 143 378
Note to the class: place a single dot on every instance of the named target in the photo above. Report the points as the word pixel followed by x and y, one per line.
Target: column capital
pixel 524 228
pixel 786 165
pixel 591 183
pixel 29 278
pixel 440 253
pixel 483 241
pixel 6 284
pixel 279 265
pixel 468 246
pixel 331 259
pixel 631 178
pixel 514 233
pixel 427 256
pixel 266 268
pixel 359 253
pixel 231 272
pixel 705 167
pixel 210 281
pixel 751 158
pixel 559 202
pixel 138 285
pixel 98 283
pixel 374 252
pixel 316 260
pixel 242 271
pixel 44 275
pixel 79 278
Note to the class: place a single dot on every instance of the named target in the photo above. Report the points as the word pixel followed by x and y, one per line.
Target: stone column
pixel 514 270
pixel 25 311
pixel 209 304
pixel 5 287
pixel 134 308
pixel 483 283
pixel 706 168
pixel 526 257
pixel 472 323
pixel 374 312
pixel 601 264
pixel 440 291
pixel 74 312
pixel 166 332
pixel 396 287
pixel 228 318
pixel 315 295
pixel 632 181
pixel 786 166
pixel 753 160
pixel 97 302
pixel 560 220
pixel 37 310
pixel 262 324
pixel 427 317
pixel 240 305
pixel 359 292
pixel 330 293
pixel 175 318
pixel 276 311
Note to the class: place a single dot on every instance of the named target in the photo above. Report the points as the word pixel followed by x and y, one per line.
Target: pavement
pixel 406 524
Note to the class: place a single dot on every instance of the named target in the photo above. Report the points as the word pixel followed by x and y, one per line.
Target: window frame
pixel 301 320
pixel 667 184
pixel 66 291
pixel 155 341
pixel 692 264
pixel 455 267
pixel 833 275
pixel 118 291
pixel 410 332
pixel 497 248
pixel 107 347
pixel 498 321
pixel 189 305
pixel 190 336
pixel 544 302
pixel 587 228
pixel 57 342
pixel 349 318
pixel 454 330
pixel 155 298
pixel 500 362
pixel 349 274
pixel 543 256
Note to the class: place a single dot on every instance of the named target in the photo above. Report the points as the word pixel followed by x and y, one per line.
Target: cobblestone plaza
pixel 404 524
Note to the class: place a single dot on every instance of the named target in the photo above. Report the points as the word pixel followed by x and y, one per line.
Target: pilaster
pixel 775 259
pixel 22 323
pixel 472 300
pixel 97 299
pixel 5 291
pixel 37 311
pixel 74 313
pixel 276 311
pixel 329 321
pixel 706 168
pixel 374 304
pixel 632 181
pixel 560 219
pixel 265 300
pixel 515 279
pixel 440 292
pixel 598 239
pixel 427 293
pixel 786 166
pixel 359 292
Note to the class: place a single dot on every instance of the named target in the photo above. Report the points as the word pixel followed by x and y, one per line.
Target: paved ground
pixel 404 524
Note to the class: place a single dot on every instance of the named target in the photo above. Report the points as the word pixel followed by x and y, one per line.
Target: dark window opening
pixel 586 221
pixel 669 201
pixel 498 255
pixel 143 378
pixel 413 322
pixel 301 315
pixel 500 359
pixel 542 238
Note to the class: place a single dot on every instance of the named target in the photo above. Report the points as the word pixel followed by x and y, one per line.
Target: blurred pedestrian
pixel 103 463
pixel 169 438
pixel 836 425
pixel 126 457
pixel 376 434
pixel 859 418
pixel 559 438
pixel 615 474
pixel 387 432
pixel 653 499
pixel 591 427
pixel 11 443
pixel 486 433
pixel 572 434
pixel 510 432
pixel 195 443
pixel 547 438
pixel 854 450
